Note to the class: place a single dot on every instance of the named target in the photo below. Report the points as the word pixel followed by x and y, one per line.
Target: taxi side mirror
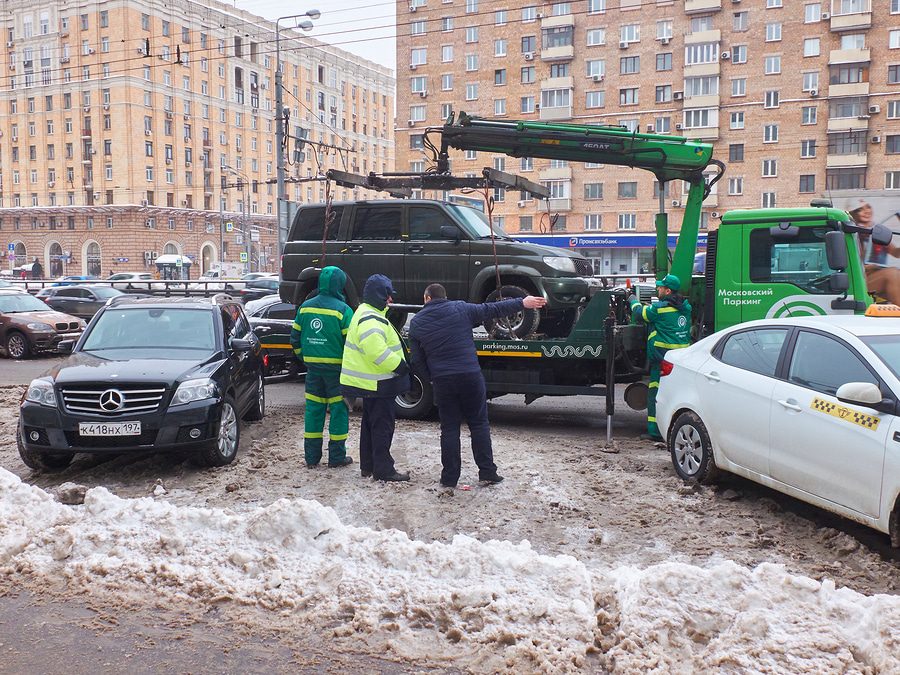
pixel 865 394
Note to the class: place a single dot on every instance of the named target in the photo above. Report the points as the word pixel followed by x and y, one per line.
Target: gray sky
pixel 342 23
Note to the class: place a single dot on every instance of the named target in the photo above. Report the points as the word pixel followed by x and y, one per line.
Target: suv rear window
pixel 309 224
pixel 377 222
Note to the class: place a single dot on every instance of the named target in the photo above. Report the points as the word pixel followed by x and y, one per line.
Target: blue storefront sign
pixel 603 240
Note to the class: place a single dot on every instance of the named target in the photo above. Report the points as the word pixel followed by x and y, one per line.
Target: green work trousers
pixel 656 357
pixel 323 393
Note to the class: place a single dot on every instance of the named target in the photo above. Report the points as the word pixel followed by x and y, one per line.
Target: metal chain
pixel 489 208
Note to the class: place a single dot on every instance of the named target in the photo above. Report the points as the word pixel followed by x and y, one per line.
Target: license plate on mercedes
pixel 109 428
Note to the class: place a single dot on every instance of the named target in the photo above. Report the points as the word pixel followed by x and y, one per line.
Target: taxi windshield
pixel 887 347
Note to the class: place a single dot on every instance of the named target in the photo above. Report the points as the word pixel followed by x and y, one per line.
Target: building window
pixel 892 180
pixel 845 179
pixel 739 86
pixel 892 145
pixel 740 21
pixel 773 64
pixel 500 47
pixel 527 104
pixel 630 33
pixel 596 6
pixel 736 185
pixel 593 191
pixel 499 77
pixel 528 75
pixel 664 93
pixel 417 28
pixel 556 98
pixel 500 106
pixel 848 143
pixel 809 114
pixel 770 133
pixel 812 12
pixel 664 61
pixel 471 62
pixel 526 223
pixel 894 74
pixel 768 200
pixel 662 125
pixel 628 96
pixel 705 52
pixel 739 54
pixel 736 152
pixel 700 118
pixel 596 37
pixel 471 34
pixel 773 32
pixel 627 221
pixel 446 82
pixel 628 190
pixel 770 168
pixel 808 183
pixel 811 47
pixel 811 81
pixel 629 65
pixel 807 149
pixel 472 91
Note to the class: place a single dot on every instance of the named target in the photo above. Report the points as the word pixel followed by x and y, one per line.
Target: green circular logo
pixel 799 308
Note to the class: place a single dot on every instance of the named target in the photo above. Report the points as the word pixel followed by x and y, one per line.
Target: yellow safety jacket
pixel 372 352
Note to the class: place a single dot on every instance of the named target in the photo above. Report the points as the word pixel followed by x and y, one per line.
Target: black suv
pixel 418 242
pixel 148 374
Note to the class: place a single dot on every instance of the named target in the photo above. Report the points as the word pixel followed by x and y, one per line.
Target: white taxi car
pixel 808 406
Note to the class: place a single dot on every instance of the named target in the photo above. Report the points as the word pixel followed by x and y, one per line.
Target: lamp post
pixel 245 197
pixel 279 119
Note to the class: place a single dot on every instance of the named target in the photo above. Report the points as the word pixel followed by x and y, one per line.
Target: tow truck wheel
pixel 418 402
pixel 521 324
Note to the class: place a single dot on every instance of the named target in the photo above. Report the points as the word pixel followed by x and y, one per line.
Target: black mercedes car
pixel 148 374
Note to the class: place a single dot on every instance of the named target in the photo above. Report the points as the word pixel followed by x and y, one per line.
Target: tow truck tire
pixel 42 461
pixel 523 323
pixel 418 402
pixel 691 450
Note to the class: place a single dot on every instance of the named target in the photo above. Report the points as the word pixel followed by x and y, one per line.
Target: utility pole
pixel 281 197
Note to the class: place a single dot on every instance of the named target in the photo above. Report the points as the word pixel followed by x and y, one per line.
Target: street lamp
pixel 279 117
pixel 246 211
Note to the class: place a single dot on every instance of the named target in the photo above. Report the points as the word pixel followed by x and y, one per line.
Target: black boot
pixel 491 479
pixel 396 477
pixel 346 461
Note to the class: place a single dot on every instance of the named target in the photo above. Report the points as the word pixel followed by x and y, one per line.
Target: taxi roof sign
pixel 883 310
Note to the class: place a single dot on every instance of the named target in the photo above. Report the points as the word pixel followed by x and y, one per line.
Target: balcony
pixel 709 101
pixel 702 36
pixel 566 53
pixel 558 83
pixel 845 161
pixel 699 6
pixel 838 56
pixel 854 89
pixel 560 173
pixel 560 204
pixel 701 69
pixel 702 133
pixel 555 114
pixel 86 133
pixel 558 21
pixel 853 21
pixel 848 124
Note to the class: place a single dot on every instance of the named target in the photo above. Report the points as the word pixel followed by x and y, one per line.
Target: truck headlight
pixel 43 327
pixel 194 390
pixel 560 263
pixel 41 391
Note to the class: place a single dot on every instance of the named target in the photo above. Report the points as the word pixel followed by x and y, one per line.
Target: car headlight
pixel 40 326
pixel 194 390
pixel 82 324
pixel 560 263
pixel 41 391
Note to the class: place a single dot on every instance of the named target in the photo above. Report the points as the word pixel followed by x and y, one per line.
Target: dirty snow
pixel 486 606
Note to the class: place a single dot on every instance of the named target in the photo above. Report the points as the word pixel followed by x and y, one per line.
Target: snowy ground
pixel 580 560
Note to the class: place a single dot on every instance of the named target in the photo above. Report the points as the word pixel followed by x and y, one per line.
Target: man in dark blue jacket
pixel 443 350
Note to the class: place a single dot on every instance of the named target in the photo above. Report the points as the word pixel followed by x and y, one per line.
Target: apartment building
pixel 134 128
pixel 800 98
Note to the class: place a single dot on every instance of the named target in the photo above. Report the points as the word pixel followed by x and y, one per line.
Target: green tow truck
pixel 764 263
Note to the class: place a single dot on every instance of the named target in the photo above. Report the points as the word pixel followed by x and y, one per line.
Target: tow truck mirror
pixel 449 232
pixel 839 282
pixel 882 235
pixel 784 231
pixel 836 250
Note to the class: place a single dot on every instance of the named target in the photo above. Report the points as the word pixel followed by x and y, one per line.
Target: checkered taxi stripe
pixel 846 414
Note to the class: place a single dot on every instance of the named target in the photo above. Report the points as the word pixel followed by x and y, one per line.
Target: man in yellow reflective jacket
pixel 375 369
pixel 317 336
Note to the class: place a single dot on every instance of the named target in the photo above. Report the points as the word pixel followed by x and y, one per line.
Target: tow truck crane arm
pixel 667 157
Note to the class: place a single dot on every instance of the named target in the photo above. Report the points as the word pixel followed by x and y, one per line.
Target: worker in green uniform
pixel 669 324
pixel 317 336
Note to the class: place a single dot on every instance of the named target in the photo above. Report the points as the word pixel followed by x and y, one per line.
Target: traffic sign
pixel 229 226
pixel 10 247
pixel 243 256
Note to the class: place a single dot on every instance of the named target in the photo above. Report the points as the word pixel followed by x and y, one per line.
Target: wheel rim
pixel 16 346
pixel 413 397
pixel 261 393
pixel 227 440
pixel 688 449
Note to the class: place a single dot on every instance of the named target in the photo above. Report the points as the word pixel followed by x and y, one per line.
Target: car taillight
pixel 265 360
pixel 665 367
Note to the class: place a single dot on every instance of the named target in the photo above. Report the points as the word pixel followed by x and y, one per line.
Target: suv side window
pixel 425 224
pixel 309 224
pixel 69 293
pixel 823 364
pixel 377 222
pixel 797 261
pixel 281 310
pixel 754 350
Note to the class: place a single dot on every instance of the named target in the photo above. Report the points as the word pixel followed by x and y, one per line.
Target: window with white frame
pixel 892 180
pixel 446 53
pixel 417 28
pixel 809 114
pixel 627 221
pixel 500 17
pixel 471 34
pixel 596 37
pixel 773 64
pixel 807 149
pixel 700 118
pixel 472 91
pixel 447 82
pixel 664 29
pixel 740 22
pixel 526 164
pixel 811 47
pixel 500 47
pixel 593 222
pixel 704 52
pixel 739 86
pixel 417 84
pixel 596 6
pixel 893 109
pixel 768 200
pixel 595 99
pixel 595 67
pixel 853 41
pixel 500 106
pixel 894 39
pixel 559 189
pixel 736 185
pixel 471 6
pixel 556 98
pixel 471 62
pixel 662 125
pixel 771 99
pixel 812 12
pixel 769 168
pixel 417 113
pixel 773 32
pixel 529 14
pixel 706 85
pixel 739 54
pixel 663 93
pixel 770 133
pixel 418 56
pixel 628 96
pixel 447 24
pixel 895 6
pixel 526 104
pixel 736 120
pixel 630 33
pixel 771 4
pixel 811 81
pixel 593 191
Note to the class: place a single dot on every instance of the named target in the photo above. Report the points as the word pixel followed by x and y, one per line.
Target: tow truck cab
pixel 771 263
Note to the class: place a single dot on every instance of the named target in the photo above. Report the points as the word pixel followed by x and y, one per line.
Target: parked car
pixel 148 374
pixel 134 281
pixel 80 301
pixel 258 288
pixel 271 320
pixel 809 406
pixel 28 326
pixel 417 242
pixel 72 280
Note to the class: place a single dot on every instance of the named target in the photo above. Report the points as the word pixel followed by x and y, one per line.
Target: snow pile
pixel 488 605
pixel 485 607
pixel 682 618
